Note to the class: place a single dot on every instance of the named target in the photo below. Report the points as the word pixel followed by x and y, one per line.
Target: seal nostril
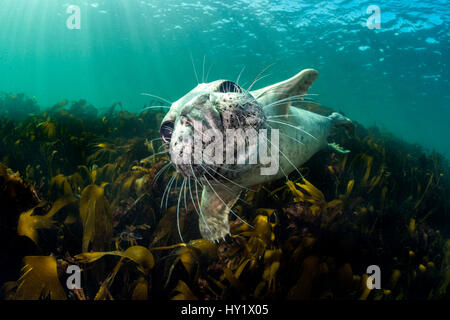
pixel 166 130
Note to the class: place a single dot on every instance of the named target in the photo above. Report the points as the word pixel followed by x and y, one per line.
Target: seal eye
pixel 229 86
pixel 166 130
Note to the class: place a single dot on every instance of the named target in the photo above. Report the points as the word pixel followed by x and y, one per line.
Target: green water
pixel 396 77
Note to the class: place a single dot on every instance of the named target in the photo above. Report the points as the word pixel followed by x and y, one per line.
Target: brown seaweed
pixel 78 194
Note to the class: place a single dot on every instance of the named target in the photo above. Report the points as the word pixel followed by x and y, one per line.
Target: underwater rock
pixel 18 107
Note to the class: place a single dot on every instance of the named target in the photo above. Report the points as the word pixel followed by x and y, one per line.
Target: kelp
pixel 82 190
pixel 39 280
pixel 29 224
pixel 183 292
pixel 59 187
pixel 138 254
pixel 95 213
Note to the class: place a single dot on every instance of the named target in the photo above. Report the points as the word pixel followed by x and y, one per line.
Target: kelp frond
pixel 39 280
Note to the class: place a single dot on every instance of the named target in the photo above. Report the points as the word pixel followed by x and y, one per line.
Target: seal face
pixel 202 116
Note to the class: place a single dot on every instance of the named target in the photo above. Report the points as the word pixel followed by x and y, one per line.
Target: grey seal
pixel 222 106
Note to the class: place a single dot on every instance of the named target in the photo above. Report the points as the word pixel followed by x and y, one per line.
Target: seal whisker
pixel 203 72
pixel 221 183
pixel 290 100
pixel 239 76
pixel 168 191
pixel 260 78
pixel 294 103
pixel 162 152
pixel 288 160
pixel 165 190
pixel 184 194
pixel 284 91
pixel 155 139
pixel 170 187
pixel 195 70
pixel 229 169
pixel 229 190
pixel 192 198
pixel 301 96
pixel 284 116
pixel 160 172
pixel 259 74
pixel 178 209
pixel 207 74
pixel 290 125
pixel 297 98
pixel 165 144
pixel 157 97
pixel 196 194
pixel 226 187
pixel 235 183
pixel 287 135
pixel 156 107
pixel 193 173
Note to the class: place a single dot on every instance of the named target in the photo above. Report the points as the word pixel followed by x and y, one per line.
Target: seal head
pixel 209 109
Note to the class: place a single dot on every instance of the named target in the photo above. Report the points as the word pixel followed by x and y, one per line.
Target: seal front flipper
pixel 216 204
pixel 338 120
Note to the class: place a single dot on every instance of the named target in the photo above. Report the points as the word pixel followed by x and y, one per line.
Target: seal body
pixel 219 107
